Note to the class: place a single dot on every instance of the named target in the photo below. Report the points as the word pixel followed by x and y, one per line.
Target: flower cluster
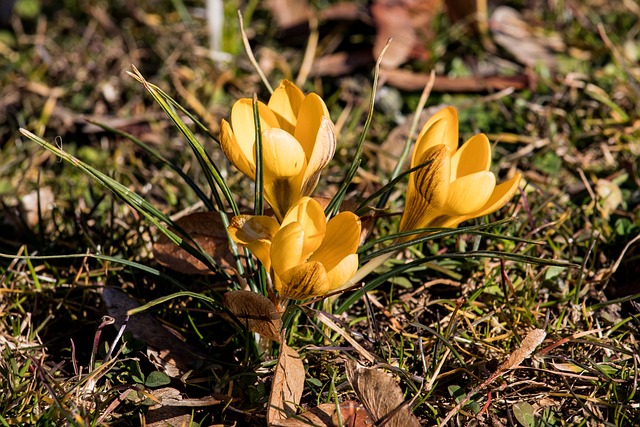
pixel 306 255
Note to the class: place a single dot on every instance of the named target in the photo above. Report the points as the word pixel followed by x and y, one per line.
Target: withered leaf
pixel 392 20
pixel 207 229
pixel 352 414
pixel 255 311
pixel 289 13
pixel 287 387
pixel 381 395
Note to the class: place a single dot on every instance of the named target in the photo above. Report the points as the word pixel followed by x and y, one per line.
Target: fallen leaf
pixel 381 395
pixel 392 21
pixel 289 13
pixel 207 229
pixel 164 347
pixel 174 409
pixel 255 311
pixel 351 414
pixel 516 36
pixel 287 387
pixel 411 81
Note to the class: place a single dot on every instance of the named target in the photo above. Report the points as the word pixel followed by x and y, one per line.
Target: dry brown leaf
pixel 287 387
pixel 289 13
pixel 381 395
pixel 528 345
pixel 351 414
pixel 392 21
pixel 163 346
pixel 411 81
pixel 255 311
pixel 207 229
pixel 516 36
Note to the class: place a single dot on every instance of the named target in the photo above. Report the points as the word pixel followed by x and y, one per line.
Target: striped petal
pixel 441 128
pixel 427 192
pixel 303 281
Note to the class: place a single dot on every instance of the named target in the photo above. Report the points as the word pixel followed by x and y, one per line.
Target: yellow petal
pixel 308 213
pixel 469 193
pixel 310 116
pixel 473 156
pixel 245 229
pixel 256 233
pixel 281 193
pixel 286 248
pixel 341 273
pixel 441 128
pixel 303 281
pixel 321 154
pixel 428 189
pixel 500 196
pixel 285 103
pixel 243 123
pixel 340 240
pixel 241 156
pixel 282 155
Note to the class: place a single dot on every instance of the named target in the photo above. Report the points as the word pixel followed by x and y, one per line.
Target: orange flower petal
pixel 469 193
pixel 303 281
pixel 473 156
pixel 241 156
pixel 285 103
pixel 441 128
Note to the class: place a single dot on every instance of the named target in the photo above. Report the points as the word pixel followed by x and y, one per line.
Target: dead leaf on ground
pixel 255 311
pixel 352 414
pixel 164 347
pixel 207 229
pixel 289 13
pixel 287 387
pixel 175 410
pixel 392 21
pixel 411 81
pixel 381 395
pixel 516 36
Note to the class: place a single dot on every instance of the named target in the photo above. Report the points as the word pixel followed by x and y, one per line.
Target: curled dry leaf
pixel 255 311
pixel 287 387
pixel 381 395
pixel 207 229
pixel 351 414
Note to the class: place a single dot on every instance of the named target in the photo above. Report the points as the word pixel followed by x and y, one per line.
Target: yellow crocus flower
pixel 298 141
pixel 457 185
pixel 305 255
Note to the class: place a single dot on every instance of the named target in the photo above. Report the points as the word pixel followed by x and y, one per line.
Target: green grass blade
pixel 157 218
pixel 158 156
pixel 339 197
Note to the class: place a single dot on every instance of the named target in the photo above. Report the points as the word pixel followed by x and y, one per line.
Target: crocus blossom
pixel 456 185
pixel 305 255
pixel 298 141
